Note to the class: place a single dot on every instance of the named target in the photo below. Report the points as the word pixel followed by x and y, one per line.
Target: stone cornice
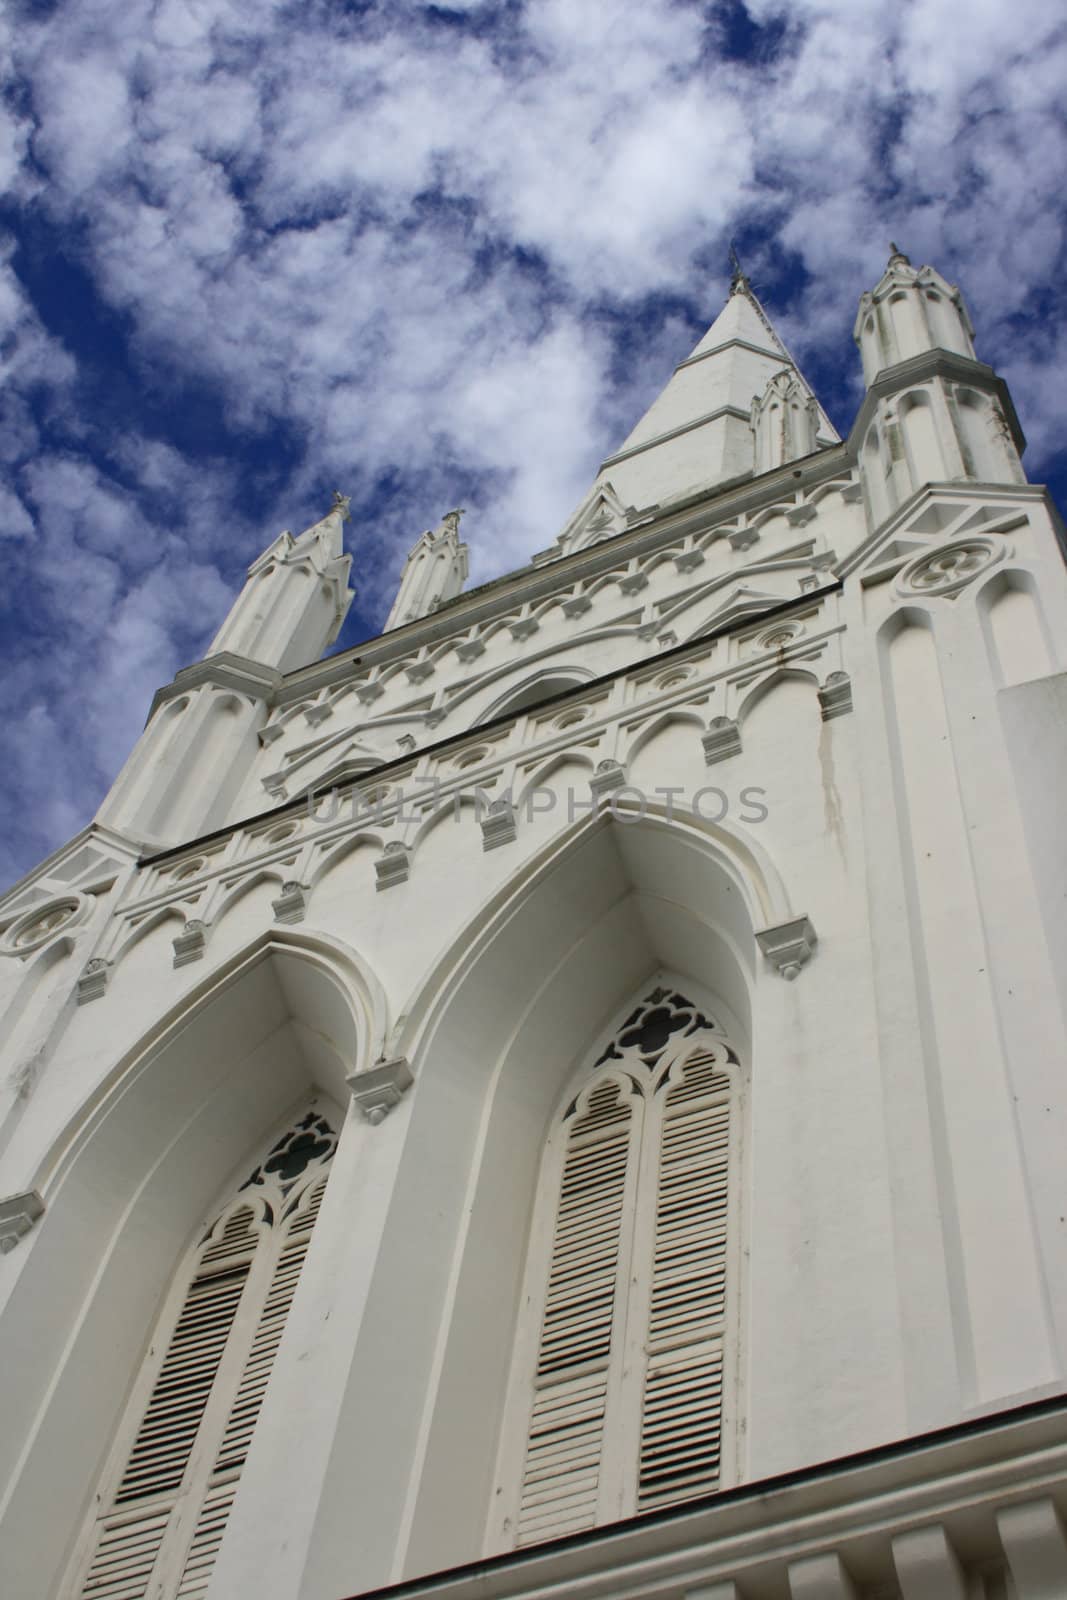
pixel 223 671
pixel 933 364
pixel 403 762
pixel 756 1536
pixel 660 525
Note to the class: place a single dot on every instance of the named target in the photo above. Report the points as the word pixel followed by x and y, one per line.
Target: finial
pixel 737 271
pixel 450 521
pixel 897 254
pixel 341 503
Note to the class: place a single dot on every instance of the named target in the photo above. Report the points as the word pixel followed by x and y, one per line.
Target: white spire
pixel 698 431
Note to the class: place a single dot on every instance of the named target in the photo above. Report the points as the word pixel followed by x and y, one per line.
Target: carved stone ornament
pixel 498 824
pixel 633 583
pixel 18 1213
pixel 393 865
pixel 523 628
pixel 291 904
pixel 576 605
pixel 366 692
pixel 688 560
pixel 316 714
pixel 799 516
pixel 789 945
pixel 93 980
pixel 835 696
pixel 608 777
pixel 189 945
pixel 381 1087
pixel 36 927
pixel 722 740
pixel 470 649
pixel 419 671
pixel 950 569
pixel 852 493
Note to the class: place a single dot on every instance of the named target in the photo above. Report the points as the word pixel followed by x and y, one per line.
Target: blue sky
pixel 439 255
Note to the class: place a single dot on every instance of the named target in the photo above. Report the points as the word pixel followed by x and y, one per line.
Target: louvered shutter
pixel 192 1440
pixel 128 1546
pixel 681 1412
pixel 561 1473
pixel 244 1412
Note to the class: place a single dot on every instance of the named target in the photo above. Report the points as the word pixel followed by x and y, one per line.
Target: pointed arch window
pixel 619 1400
pixel 166 1496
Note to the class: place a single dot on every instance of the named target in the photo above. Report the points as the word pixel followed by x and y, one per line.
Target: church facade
pixel 566 1097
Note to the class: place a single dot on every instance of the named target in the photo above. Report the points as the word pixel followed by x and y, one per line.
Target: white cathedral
pixel 568 1098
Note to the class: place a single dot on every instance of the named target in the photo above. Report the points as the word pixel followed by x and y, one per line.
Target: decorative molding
pixel 948 570
pixel 722 740
pixel 498 824
pixel 189 944
pixel 523 628
pixel 316 714
pixel 222 671
pixel 93 981
pixel 291 904
pixel 633 583
pixel 788 946
pixel 743 538
pixel 18 1213
pixel 419 671
pixel 689 560
pixel 381 1087
pixel 366 692
pixel 393 866
pixel 799 516
pixel 576 605
pixel 272 731
pixel 852 493
pixel 835 696
pixel 40 924
pixel 608 777
pixel 470 649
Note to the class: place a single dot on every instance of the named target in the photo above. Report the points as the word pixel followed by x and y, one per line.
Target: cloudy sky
pixel 436 255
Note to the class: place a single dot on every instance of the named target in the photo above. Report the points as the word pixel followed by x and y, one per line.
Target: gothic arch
pixel 766 684
pixel 126 1183
pixel 493 1035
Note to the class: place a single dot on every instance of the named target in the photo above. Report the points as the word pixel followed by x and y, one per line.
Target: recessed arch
pixel 578 928
pixel 125 1183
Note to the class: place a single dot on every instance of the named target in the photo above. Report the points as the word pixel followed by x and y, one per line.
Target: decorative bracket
pixel 381 1087
pixel 789 945
pixel 189 945
pixel 608 777
pixel 291 904
pixel 93 980
pixel 393 865
pixel 835 696
pixel 498 824
pixel 18 1213
pixel 723 739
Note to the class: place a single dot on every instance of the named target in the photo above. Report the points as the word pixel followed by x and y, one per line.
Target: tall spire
pixel 698 432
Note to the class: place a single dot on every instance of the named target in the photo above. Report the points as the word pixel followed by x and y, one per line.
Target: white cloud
pixel 397 235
